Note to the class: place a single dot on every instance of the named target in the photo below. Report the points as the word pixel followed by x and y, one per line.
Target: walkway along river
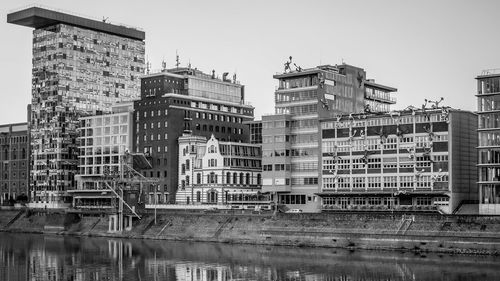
pixel 418 233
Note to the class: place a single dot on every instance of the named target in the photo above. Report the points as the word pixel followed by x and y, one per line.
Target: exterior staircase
pixel 14 219
pixel 405 225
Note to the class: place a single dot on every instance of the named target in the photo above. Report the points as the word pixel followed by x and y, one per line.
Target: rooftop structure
pixel 38 17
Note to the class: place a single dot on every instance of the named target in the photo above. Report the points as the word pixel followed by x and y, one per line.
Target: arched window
pixel 14 154
pixel 198 178
pixel 23 153
pixel 247 179
pixel 212 149
pixel 235 178
pixel 228 178
pixel 212 178
pixel 212 196
pixel 241 178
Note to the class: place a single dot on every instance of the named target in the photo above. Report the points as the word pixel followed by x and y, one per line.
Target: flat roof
pixel 37 17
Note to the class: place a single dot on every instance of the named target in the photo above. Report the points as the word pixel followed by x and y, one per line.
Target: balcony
pixel 381 98
pixel 276 188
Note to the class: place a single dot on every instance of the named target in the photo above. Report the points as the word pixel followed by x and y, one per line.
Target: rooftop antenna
pixel 234 77
pixel 105 19
pixel 189 64
pixel 148 66
pixel 177 61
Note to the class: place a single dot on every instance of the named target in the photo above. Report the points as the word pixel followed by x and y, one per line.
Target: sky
pixel 427 49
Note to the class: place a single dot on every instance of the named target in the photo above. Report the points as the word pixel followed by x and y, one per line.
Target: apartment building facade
pixel 418 160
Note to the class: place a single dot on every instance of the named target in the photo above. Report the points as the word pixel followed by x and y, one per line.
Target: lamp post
pixel 156 198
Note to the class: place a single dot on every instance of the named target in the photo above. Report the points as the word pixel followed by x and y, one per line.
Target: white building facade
pixel 216 172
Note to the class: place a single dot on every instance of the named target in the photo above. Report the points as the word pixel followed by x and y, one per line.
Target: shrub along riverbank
pixel 420 233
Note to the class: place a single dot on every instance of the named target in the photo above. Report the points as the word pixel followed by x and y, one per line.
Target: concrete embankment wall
pixel 458 234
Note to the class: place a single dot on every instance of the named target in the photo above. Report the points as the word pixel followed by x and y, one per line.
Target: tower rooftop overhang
pixel 37 17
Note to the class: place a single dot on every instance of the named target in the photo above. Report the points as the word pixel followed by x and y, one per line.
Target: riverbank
pixel 419 233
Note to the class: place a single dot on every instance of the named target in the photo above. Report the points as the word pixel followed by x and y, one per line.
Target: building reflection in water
pixel 58 258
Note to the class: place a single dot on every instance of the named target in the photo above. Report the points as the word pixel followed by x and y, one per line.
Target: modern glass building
pixel 291 137
pixel 488 103
pixel 81 66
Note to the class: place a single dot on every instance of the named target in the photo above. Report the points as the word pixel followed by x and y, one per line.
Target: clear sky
pixel 425 48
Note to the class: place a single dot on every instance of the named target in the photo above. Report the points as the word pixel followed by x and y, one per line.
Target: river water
pixel 46 257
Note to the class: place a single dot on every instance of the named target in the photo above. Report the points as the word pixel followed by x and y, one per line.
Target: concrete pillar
pixel 128 223
pixel 113 223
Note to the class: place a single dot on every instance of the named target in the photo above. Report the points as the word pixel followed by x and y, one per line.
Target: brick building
pixel 14 169
pixel 185 100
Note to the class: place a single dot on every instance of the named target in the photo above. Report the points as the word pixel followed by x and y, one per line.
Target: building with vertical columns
pixel 14 151
pixel 185 101
pixel 488 109
pixel 418 160
pixel 80 67
pixel 291 137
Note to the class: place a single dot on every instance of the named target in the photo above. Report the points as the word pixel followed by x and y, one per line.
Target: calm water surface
pixel 44 257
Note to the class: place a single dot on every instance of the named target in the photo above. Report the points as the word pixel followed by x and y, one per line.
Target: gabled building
pixel 219 172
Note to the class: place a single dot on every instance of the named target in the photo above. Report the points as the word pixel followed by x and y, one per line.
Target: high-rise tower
pixel 80 66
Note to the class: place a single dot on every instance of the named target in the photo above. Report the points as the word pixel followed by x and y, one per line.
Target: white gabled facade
pixel 214 172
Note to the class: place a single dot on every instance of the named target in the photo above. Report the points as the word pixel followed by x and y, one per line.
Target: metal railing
pixel 490 71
